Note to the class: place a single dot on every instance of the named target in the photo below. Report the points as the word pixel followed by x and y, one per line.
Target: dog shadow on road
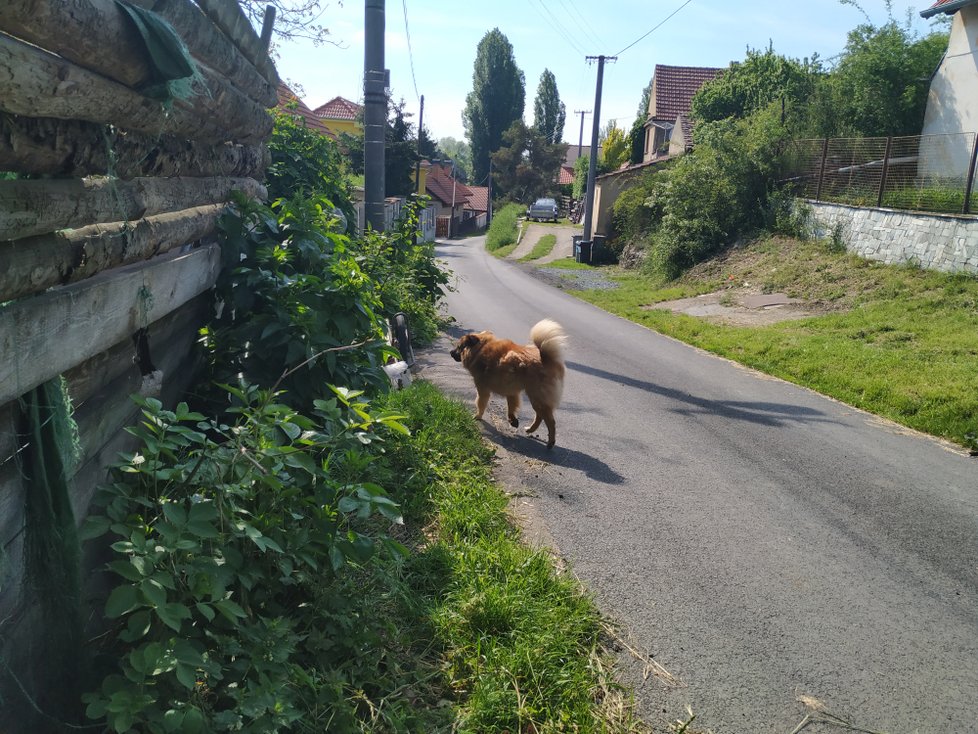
pixel 535 448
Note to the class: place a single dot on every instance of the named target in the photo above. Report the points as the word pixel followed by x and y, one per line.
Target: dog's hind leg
pixel 481 402
pixel 548 418
pixel 546 414
pixel 513 402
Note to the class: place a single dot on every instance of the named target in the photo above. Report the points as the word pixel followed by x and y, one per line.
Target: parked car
pixel 542 210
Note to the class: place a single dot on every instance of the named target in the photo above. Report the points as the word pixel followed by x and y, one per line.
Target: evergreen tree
pixel 526 166
pixel 549 113
pixel 497 99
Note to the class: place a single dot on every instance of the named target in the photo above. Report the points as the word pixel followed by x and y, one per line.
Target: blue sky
pixel 558 34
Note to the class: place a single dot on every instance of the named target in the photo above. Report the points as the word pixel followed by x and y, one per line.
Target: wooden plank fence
pixel 107 237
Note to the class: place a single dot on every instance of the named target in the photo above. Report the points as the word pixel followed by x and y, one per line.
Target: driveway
pixel 533 232
pixel 757 544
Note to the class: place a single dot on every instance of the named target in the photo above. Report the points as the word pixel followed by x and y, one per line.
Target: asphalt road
pixel 759 541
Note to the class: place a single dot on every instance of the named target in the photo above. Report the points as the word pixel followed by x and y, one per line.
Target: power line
pixel 582 24
pixel 655 28
pixel 407 32
pixel 558 26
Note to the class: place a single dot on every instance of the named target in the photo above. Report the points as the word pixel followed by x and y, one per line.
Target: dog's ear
pixel 469 340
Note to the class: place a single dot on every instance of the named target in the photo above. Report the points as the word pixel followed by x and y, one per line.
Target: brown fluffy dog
pixel 506 368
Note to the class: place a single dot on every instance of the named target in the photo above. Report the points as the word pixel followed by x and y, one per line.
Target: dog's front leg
pixel 513 401
pixel 481 402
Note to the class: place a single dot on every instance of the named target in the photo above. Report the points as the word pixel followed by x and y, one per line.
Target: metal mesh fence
pixel 922 172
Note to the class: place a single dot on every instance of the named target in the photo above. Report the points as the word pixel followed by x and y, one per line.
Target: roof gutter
pixel 948 8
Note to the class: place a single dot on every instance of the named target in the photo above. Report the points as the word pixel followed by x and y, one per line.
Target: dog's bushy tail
pixel 550 339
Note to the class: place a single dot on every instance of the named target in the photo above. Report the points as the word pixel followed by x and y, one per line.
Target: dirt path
pixel 533 233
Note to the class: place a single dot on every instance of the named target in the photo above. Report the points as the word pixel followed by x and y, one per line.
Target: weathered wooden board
pixel 95 34
pixel 39 84
pixel 46 146
pixel 34 264
pixel 228 16
pixel 29 208
pixel 211 47
pixel 43 336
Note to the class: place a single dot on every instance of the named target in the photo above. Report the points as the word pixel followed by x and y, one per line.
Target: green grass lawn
pixel 896 341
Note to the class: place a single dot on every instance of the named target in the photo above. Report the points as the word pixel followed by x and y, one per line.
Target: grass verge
pixel 498 641
pixel 541 249
pixel 502 229
pixel 897 341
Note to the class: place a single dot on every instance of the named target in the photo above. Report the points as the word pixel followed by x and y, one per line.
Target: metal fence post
pixel 886 164
pixel 821 170
pixel 969 185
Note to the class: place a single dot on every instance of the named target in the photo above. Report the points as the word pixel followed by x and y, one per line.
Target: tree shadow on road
pixel 767 414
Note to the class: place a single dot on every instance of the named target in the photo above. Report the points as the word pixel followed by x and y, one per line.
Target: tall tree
pixel 615 148
pixel 496 101
pixel 549 113
pixel 526 166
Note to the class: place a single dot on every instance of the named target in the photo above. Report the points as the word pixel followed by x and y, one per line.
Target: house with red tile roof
pixel 952 102
pixel 672 93
pixel 467 205
pixel 289 102
pixel 449 196
pixel 341 115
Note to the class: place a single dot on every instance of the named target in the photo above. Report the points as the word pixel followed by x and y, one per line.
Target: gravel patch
pixel 579 280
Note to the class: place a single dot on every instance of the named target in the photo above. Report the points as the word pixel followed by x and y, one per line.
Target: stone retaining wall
pixel 935 241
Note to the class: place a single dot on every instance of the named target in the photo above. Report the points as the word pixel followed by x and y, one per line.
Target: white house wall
pixel 952 104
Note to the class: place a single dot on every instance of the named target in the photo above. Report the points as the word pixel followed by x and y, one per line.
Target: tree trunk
pixel 30 208
pixel 36 83
pixel 35 264
pixel 227 16
pixel 208 44
pixel 49 147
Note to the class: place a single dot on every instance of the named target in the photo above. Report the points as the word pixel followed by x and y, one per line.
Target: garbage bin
pixel 599 250
pixel 584 252
pixel 576 240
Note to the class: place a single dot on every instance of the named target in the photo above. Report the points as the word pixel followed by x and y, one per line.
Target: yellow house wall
pixel 338 127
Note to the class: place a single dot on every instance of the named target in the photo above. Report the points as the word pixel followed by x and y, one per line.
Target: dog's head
pixel 467 342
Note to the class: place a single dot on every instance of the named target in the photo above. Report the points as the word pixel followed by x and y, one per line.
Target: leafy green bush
pixel 408 278
pixel 293 302
pixel 306 163
pixel 707 198
pixel 224 537
pixel 502 230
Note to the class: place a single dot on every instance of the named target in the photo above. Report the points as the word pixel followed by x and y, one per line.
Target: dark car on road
pixel 543 210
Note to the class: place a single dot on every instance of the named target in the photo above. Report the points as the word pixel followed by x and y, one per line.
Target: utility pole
pixel 580 138
pixel 489 197
pixel 417 164
pixel 374 113
pixel 593 164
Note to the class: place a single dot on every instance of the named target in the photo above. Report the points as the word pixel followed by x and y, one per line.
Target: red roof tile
pixel 339 108
pixel 566 176
pixel 286 97
pixel 673 88
pixel 478 200
pixel 443 187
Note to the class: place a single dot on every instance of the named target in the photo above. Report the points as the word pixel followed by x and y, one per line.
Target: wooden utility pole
pixel 580 138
